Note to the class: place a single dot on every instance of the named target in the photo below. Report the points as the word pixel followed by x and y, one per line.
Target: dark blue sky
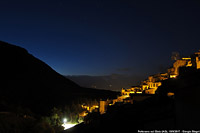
pixel 100 37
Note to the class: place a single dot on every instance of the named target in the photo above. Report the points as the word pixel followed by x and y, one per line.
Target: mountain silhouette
pixel 28 82
pixel 108 82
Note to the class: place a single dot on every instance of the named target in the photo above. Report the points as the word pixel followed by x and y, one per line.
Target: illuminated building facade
pixel 197 58
pixel 150 85
pixel 193 61
pixel 183 62
pixel 104 105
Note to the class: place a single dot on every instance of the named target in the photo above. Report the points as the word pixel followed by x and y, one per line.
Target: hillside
pixel 27 81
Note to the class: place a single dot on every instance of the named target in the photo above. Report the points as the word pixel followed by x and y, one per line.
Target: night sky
pixel 101 37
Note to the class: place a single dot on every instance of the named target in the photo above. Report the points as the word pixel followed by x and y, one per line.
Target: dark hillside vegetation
pixel 29 83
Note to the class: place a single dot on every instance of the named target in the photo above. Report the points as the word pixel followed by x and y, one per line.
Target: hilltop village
pixel 164 101
pixel 148 87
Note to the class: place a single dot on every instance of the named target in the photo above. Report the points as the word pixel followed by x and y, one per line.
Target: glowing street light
pixel 64 120
pixel 66 124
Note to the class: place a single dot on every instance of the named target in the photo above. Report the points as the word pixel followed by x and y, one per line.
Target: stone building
pixel 197 59
pixel 150 85
pixel 193 61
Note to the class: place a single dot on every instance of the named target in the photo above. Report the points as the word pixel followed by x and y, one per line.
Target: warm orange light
pixel 170 94
pixel 186 58
pixel 172 76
